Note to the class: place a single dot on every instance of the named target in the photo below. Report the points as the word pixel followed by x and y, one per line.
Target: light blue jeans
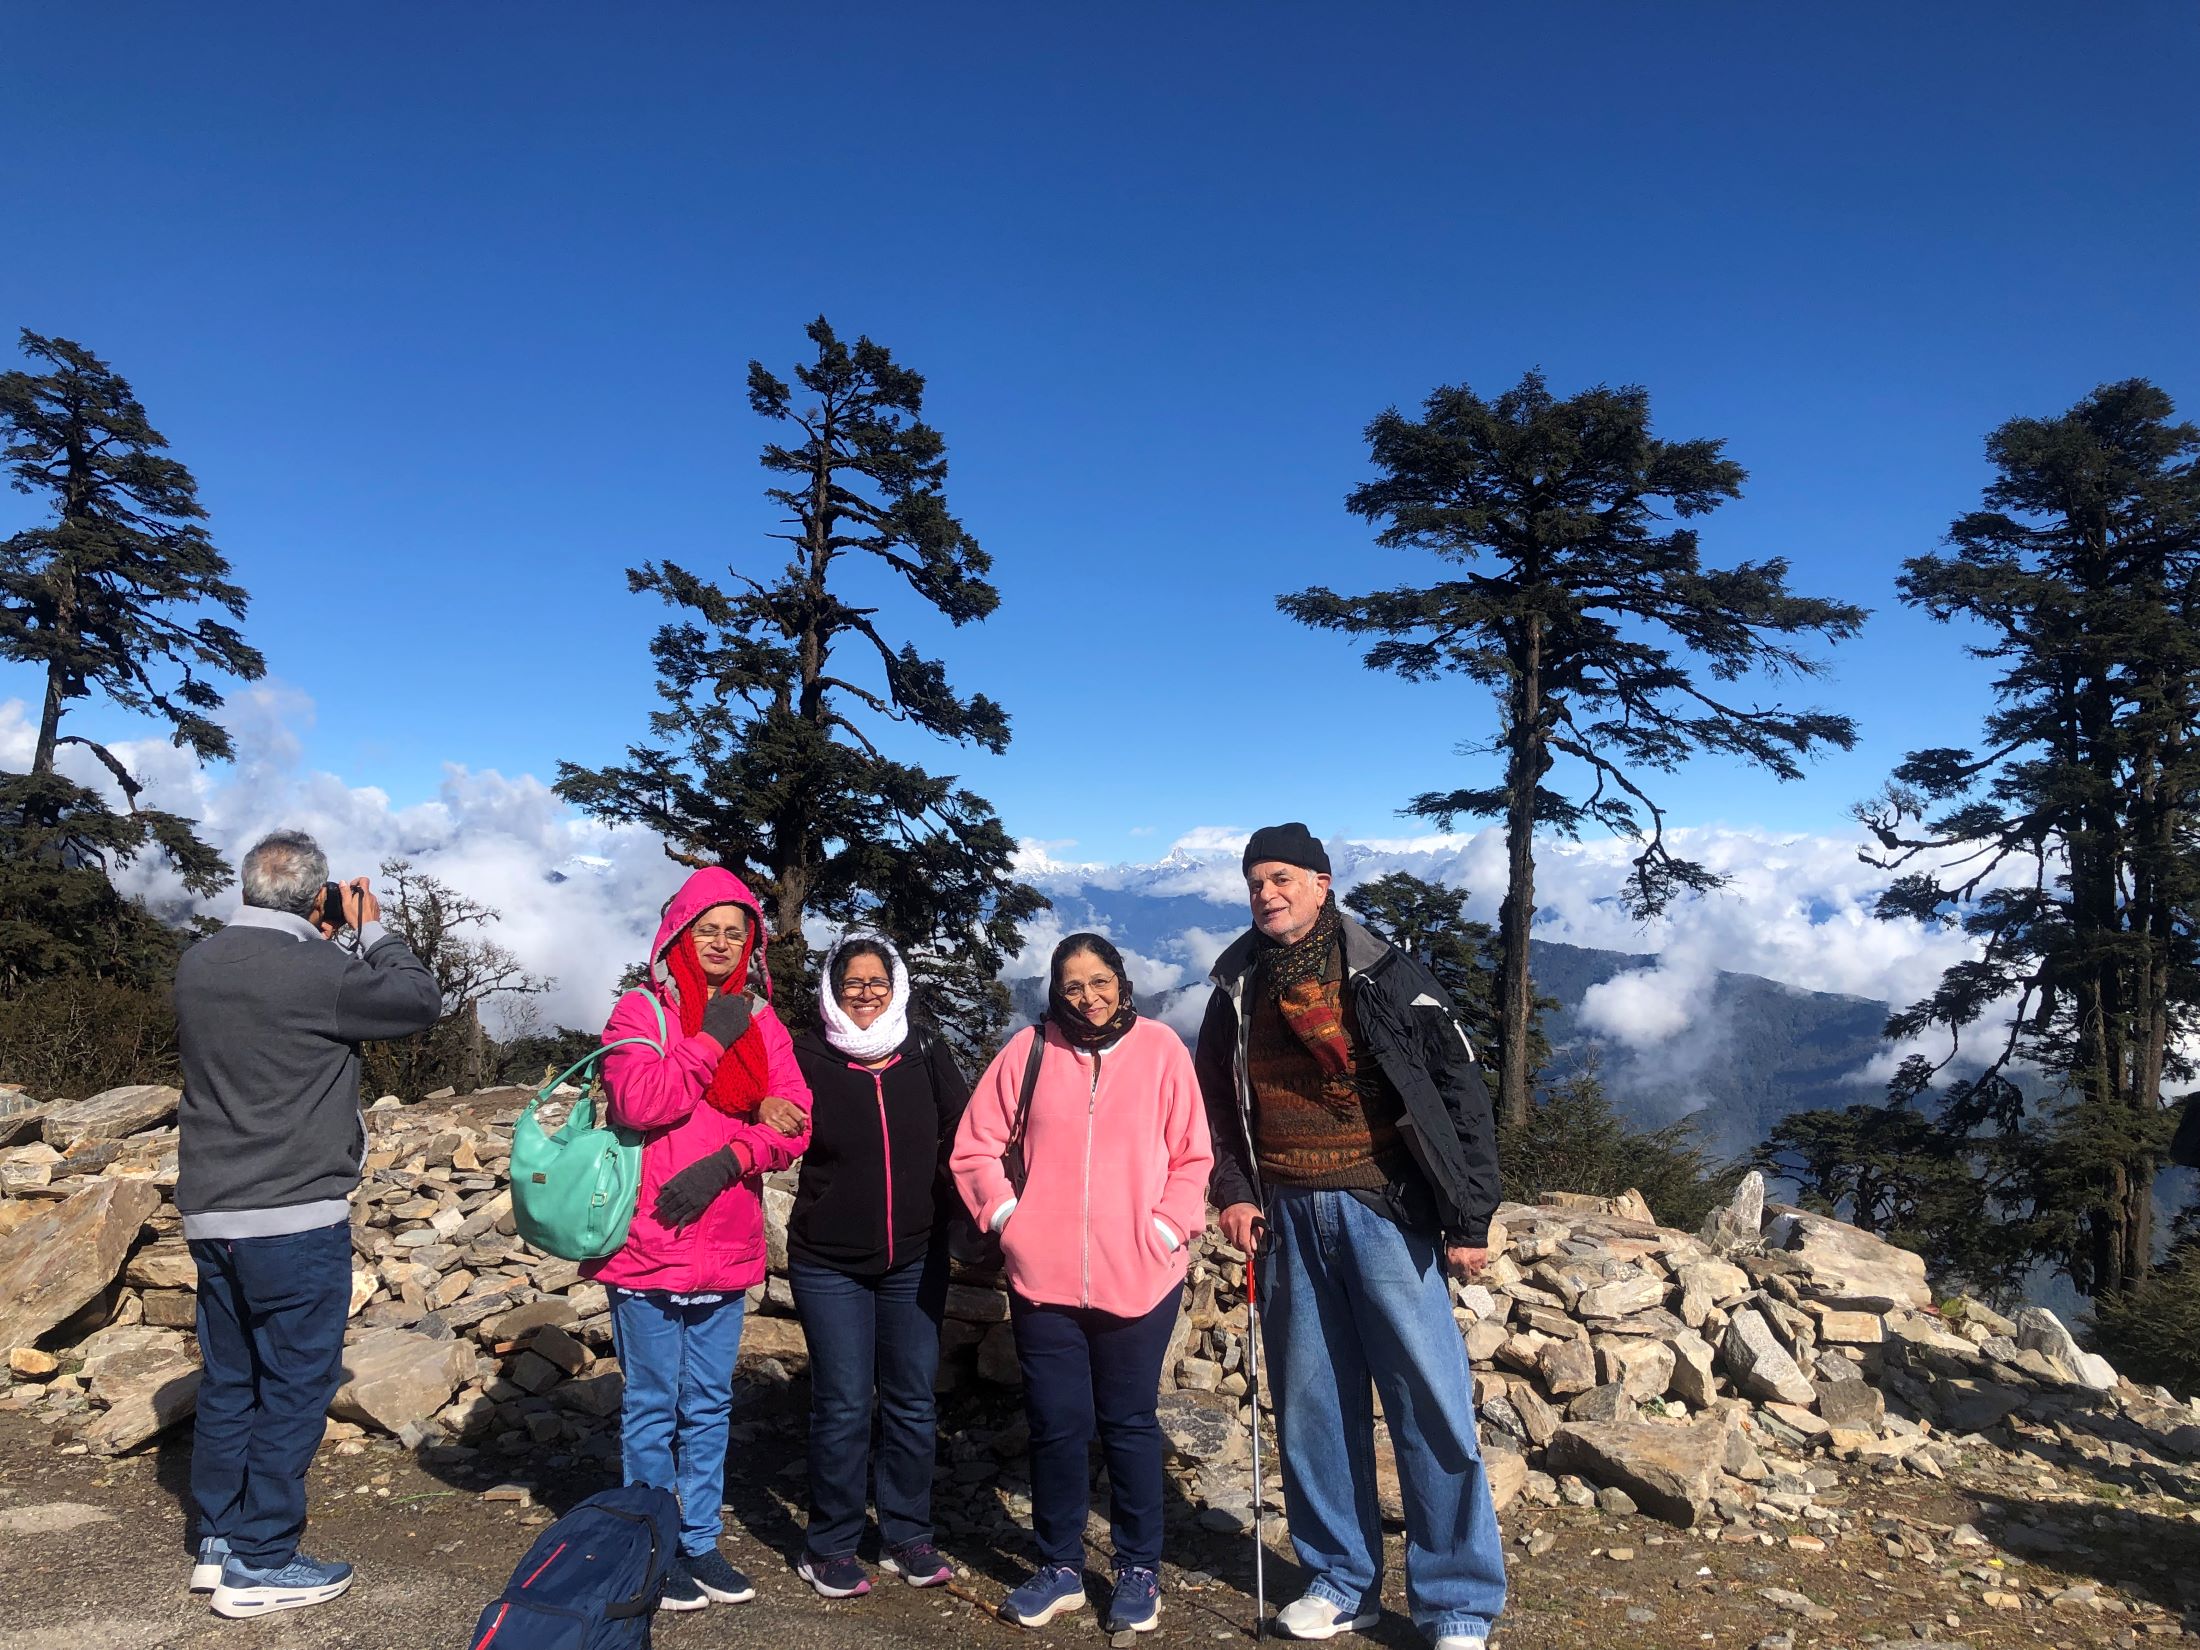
pixel 678 1366
pixel 1352 1302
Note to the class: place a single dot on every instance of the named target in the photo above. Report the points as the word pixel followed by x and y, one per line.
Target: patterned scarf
pixel 1311 1002
pixel 738 1083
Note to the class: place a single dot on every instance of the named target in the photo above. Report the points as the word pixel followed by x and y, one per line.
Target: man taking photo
pixel 270 1013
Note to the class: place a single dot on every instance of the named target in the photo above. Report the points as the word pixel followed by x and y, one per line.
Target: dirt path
pixel 91 1551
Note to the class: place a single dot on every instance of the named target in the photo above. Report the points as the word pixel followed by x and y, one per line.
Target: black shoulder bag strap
pixel 1012 1158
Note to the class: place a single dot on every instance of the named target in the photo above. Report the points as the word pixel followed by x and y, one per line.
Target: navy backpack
pixel 591 1581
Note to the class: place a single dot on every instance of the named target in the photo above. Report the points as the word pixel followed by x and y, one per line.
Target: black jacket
pixel 1415 1034
pixel 874 1190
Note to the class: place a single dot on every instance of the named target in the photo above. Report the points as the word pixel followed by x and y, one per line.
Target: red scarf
pixel 739 1081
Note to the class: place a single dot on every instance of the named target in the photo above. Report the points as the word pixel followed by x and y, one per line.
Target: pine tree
pixel 106 599
pixel 2066 845
pixel 1556 511
pixel 767 756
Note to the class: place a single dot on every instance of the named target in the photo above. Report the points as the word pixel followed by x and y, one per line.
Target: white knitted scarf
pixel 886 1033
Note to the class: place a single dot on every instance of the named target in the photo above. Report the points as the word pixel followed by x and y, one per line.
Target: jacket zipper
pixel 886 1149
pixel 1084 1260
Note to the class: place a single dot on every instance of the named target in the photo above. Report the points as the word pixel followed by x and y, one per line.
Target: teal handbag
pixel 573 1192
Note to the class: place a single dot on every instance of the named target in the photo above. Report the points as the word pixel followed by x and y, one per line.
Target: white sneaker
pixel 1314 1617
pixel 1462 1641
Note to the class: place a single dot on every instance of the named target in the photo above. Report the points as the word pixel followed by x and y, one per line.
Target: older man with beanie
pixel 1349 1116
pixel 270 1013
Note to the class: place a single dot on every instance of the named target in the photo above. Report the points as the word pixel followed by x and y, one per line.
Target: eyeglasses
pixel 1077 993
pixel 867 988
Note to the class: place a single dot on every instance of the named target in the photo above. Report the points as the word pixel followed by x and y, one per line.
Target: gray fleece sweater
pixel 269 1016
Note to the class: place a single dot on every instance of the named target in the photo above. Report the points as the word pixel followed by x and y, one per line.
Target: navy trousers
pixel 271 1340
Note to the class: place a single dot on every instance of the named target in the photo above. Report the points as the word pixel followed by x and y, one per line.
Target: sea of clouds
pixel 579 899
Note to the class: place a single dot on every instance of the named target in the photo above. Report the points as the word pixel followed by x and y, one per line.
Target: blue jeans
pixel 677 1362
pixel 1084 1369
pixel 1350 1298
pixel 271 1340
pixel 871 1333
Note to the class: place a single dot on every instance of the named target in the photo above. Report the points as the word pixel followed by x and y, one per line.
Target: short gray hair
pixel 284 871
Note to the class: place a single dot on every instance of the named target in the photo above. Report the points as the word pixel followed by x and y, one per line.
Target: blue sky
pixel 449 308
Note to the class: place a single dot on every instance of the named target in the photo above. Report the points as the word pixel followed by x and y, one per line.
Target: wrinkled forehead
pixel 724 916
pixel 1277 870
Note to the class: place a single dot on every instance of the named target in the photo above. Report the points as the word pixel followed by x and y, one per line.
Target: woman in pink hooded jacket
pixel 1116 1156
pixel 723 1104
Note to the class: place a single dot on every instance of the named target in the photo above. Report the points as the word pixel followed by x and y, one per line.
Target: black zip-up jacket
pixel 1414 1031
pixel 874 1191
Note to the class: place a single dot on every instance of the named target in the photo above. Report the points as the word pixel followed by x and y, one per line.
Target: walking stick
pixel 1252 1392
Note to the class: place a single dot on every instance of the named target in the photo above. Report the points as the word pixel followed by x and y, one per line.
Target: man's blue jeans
pixel 677 1362
pixel 872 1333
pixel 271 1342
pixel 1351 1298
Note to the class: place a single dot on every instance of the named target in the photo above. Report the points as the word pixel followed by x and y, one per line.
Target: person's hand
pixel 1237 1223
pixel 683 1198
pixel 1466 1260
pixel 726 1018
pixel 360 905
pixel 783 1115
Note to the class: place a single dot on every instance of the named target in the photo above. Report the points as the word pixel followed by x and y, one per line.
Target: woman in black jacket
pixel 867 1256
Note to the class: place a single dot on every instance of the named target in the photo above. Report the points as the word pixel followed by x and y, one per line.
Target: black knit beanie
pixel 1292 844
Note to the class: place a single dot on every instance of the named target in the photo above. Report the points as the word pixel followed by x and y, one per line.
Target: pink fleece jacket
pixel 723 1251
pixel 1106 1151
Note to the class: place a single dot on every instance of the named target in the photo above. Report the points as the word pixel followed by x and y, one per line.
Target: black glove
pixel 727 1018
pixel 687 1194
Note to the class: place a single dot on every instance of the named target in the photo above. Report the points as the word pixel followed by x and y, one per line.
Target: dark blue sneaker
pixel 717 1580
pixel 1136 1606
pixel 206 1569
pixel 840 1577
pixel 244 1591
pixel 1055 1588
pixel 917 1562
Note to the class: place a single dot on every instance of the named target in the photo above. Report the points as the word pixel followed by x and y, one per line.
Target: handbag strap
pixel 588 1061
pixel 1012 1155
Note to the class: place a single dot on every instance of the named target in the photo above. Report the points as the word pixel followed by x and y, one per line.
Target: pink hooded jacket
pixel 1106 1155
pixel 662 1096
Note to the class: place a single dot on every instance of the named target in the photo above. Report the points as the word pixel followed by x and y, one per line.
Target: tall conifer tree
pixel 1588 615
pixel 766 756
pixel 109 598
pixel 2066 843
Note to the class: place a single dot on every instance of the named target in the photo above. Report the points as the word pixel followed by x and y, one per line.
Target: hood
pixel 712 885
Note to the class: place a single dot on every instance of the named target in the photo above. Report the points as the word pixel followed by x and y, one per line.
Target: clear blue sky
pixel 449 307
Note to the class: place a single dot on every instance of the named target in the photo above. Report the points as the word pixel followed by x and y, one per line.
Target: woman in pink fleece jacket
pixel 1116 1155
pixel 723 1104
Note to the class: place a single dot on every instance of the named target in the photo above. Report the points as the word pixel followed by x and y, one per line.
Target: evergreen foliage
pixel 1573 1141
pixel 2064 845
pixel 105 600
pixel 1586 611
pixel 2151 1331
pixel 766 757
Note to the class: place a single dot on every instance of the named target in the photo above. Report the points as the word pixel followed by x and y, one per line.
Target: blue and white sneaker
pixel 244 1591
pixel 1136 1606
pixel 1055 1588
pixel 206 1569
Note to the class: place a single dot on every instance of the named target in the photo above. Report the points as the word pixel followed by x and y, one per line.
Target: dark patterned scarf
pixel 1309 991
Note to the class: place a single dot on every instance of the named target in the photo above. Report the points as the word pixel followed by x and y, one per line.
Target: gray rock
pixel 112 1114
pixel 1670 1471
pixel 1693 1381
pixel 1202 1428
pixel 1760 1365
pixel 52 1267
pixel 2039 1330
pixel 395 1378
pixel 144 1406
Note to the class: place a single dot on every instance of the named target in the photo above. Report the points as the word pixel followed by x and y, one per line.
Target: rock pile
pixel 1732 1376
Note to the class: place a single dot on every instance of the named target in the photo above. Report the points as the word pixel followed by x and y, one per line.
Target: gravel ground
pixel 93 1556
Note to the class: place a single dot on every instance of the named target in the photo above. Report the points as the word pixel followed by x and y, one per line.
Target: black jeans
pixel 271 1337
pixel 1084 1369
pixel 872 1333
